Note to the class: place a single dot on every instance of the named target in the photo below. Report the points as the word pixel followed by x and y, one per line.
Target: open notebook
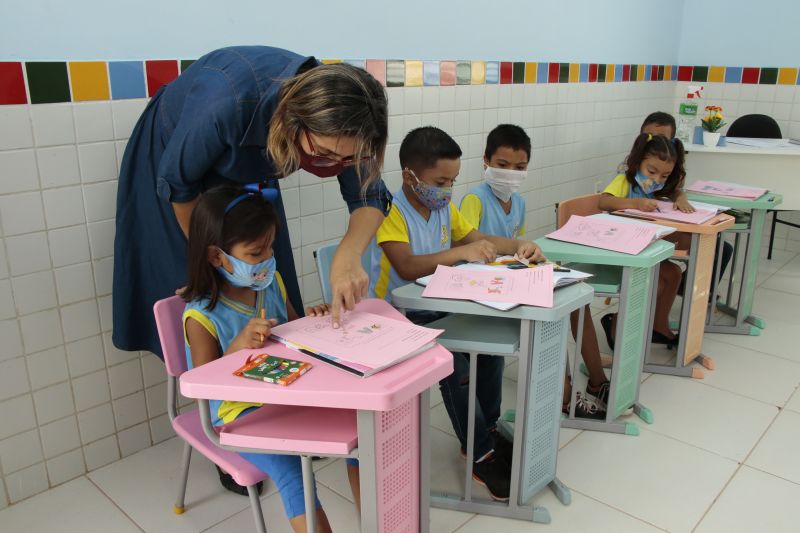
pixel 666 211
pixel 560 279
pixel 723 188
pixel 365 343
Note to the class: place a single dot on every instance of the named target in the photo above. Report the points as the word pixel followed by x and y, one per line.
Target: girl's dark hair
pixel 247 221
pixel 509 135
pixel 660 118
pixel 665 149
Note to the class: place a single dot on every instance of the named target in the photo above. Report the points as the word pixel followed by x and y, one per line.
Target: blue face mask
pixel 649 186
pixel 257 277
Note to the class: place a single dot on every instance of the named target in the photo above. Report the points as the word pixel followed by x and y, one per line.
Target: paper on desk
pixel 667 211
pixel 758 143
pixel 528 286
pixel 605 234
pixel 661 231
pixel 721 188
pixel 367 339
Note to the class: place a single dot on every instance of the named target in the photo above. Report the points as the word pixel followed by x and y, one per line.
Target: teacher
pixel 244 114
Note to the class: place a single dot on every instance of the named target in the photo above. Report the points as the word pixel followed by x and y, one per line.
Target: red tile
pixel 12 84
pixel 653 72
pixel 552 73
pixel 685 73
pixel 750 74
pixel 160 73
pixel 626 73
pixel 506 72
pixel 593 72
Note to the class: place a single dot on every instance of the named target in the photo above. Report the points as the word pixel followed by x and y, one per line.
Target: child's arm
pixel 204 346
pixel 525 249
pixel 682 202
pixel 609 202
pixel 410 266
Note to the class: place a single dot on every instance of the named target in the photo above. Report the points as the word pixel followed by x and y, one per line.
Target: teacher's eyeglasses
pixel 323 161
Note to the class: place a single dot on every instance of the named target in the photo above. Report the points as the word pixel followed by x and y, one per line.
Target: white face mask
pixel 504 181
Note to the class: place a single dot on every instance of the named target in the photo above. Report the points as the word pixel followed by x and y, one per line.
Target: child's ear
pixel 408 177
pixel 215 256
pixel 485 162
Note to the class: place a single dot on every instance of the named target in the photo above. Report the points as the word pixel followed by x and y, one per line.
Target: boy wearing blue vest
pixel 423 230
pixel 497 208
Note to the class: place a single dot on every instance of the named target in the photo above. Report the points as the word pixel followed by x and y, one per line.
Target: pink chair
pixel 169 313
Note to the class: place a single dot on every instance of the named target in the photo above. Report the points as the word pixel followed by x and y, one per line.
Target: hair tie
pixel 649 137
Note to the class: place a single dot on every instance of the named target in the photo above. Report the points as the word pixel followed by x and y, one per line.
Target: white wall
pixel 742 33
pixel 533 30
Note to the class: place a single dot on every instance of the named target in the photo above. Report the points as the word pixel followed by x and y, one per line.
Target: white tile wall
pixel 58 169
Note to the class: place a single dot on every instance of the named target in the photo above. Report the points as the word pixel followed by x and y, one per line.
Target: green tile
pixel 186 63
pixel 563 73
pixel 700 74
pixel 601 72
pixel 769 76
pixel 395 73
pixel 660 72
pixel 634 72
pixel 48 82
pixel 519 72
pixel 463 72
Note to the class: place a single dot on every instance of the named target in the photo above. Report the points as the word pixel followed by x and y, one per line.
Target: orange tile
pixel 574 73
pixel 667 72
pixel 530 72
pixel 787 76
pixel 413 73
pixel 610 72
pixel 89 80
pixel 716 74
pixel 478 73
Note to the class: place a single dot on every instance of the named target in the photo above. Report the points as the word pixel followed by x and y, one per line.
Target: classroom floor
pixel 720 457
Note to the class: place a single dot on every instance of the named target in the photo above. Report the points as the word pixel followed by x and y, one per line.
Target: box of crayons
pixel 273 369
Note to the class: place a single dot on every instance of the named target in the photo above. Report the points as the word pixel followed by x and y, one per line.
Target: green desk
pixel 537 336
pixel 636 285
pixel 739 303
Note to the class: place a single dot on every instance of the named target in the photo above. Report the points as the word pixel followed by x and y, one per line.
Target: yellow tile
pixel 667 72
pixel 331 61
pixel 609 73
pixel 640 73
pixel 716 74
pixel 530 72
pixel 574 73
pixel 413 73
pixel 787 76
pixel 89 80
pixel 478 72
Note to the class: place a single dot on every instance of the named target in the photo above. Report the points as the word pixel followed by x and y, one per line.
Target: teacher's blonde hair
pixel 337 100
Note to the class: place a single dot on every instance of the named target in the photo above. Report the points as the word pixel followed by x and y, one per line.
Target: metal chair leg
pixel 179 508
pixel 308 493
pixel 255 504
pixel 772 234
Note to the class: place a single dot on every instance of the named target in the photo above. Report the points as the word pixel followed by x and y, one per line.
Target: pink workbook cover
pixel 667 211
pixel 529 286
pixel 608 235
pixel 364 344
pixel 721 188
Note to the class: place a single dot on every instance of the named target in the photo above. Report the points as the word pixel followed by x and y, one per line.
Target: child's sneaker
pixel 599 393
pixel 586 408
pixel 502 445
pixel 494 474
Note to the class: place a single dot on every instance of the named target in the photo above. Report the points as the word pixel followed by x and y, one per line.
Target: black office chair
pixel 760 127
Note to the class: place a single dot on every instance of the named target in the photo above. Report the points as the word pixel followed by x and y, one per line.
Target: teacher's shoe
pixel 494 474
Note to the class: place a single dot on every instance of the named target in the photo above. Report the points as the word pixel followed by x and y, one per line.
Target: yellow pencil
pixel 264 316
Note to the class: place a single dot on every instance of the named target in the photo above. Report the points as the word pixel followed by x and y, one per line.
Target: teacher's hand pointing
pixel 349 283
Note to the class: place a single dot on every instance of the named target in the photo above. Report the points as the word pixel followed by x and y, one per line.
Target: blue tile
pixel 542 72
pixel 430 73
pixel 360 63
pixel 492 72
pixel 673 75
pixel 733 74
pixel 584 73
pixel 618 72
pixel 647 72
pixel 127 79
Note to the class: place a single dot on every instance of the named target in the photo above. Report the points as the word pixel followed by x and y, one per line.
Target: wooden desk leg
pixel 389 461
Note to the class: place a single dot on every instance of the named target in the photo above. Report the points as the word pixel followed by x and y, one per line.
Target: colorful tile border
pixel 39 82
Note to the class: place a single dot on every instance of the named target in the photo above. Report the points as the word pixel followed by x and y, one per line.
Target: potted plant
pixel 712 123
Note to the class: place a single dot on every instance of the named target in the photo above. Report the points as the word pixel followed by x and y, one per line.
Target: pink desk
pixel 393 420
